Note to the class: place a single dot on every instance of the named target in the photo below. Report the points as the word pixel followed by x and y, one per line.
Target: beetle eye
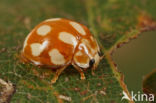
pixel 91 62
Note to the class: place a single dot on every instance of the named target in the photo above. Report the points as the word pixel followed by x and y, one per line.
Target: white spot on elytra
pixel 43 30
pixel 38 48
pixel 78 27
pixel 82 45
pixel 56 57
pixel 36 62
pixel 87 43
pixel 68 38
pixel 53 19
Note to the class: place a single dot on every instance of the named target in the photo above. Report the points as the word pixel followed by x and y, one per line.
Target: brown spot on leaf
pixel 100 77
pixel 99 84
pixel 146 23
pixel 77 89
pixel 104 89
pixel 28 85
pixel 112 101
pixel 29 96
pixel 3 50
pixel 84 92
pixel 66 79
pixel 27 22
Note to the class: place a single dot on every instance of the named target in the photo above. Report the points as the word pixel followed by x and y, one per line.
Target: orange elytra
pixel 58 43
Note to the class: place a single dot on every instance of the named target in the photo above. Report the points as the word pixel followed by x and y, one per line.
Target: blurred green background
pixel 136 59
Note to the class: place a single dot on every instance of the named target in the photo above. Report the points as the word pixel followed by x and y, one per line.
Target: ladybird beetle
pixel 58 43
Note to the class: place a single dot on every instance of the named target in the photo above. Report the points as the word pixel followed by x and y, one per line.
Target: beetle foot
pixel 83 77
pixel 93 73
pixel 53 81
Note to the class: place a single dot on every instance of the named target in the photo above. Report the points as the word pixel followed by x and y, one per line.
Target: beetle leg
pixel 93 69
pixel 58 72
pixel 23 59
pixel 80 71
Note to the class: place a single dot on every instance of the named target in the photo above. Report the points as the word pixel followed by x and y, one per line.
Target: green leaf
pixel 112 22
pixel 149 84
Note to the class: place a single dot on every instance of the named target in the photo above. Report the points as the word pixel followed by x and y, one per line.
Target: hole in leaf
pixel 136 59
